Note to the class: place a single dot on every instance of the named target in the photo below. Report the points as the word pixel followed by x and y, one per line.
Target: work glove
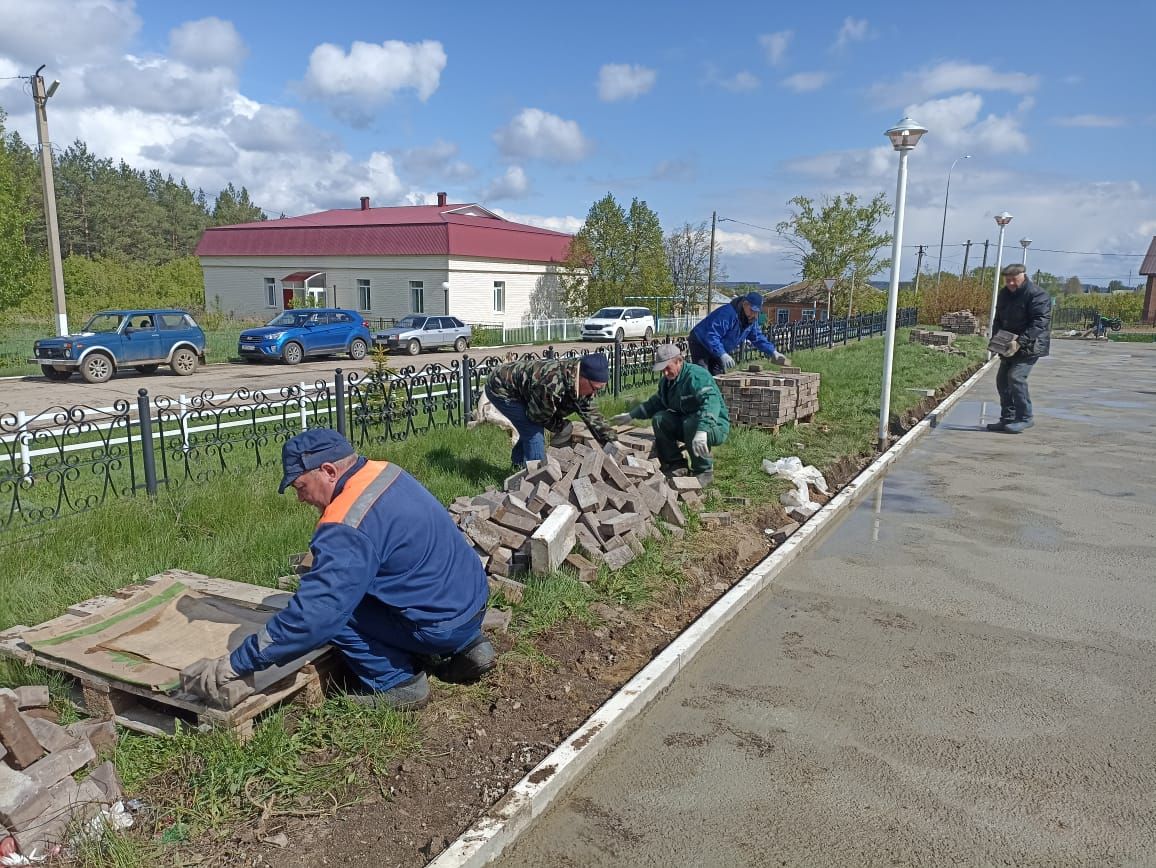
pixel 208 677
pixel 699 446
pixel 727 361
pixel 779 359
pixel 621 419
pixel 563 435
pixel 1012 348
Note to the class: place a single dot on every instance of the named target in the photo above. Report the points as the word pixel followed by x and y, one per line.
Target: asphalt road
pixel 34 394
pixel 960 674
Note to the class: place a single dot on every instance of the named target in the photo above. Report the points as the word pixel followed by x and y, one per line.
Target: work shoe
pixel 997 426
pixel 674 468
pixel 468 665
pixel 408 696
pixel 705 478
pixel 1018 427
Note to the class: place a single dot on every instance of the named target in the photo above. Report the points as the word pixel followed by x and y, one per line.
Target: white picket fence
pixel 570 329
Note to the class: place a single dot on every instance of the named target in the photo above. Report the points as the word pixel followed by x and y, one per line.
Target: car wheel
pixel 292 353
pixel 184 362
pixel 619 335
pixel 357 349
pixel 147 369
pixel 649 336
pixel 413 347
pixel 460 345
pixel 58 374
pixel 96 368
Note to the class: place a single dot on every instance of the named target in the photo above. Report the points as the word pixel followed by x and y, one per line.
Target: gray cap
pixel 664 354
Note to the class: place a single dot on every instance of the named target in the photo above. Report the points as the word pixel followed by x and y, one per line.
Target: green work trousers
pixel 673 431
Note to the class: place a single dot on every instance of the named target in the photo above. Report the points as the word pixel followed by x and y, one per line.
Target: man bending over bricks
pixel 688 408
pixel 394 586
pixel 535 396
pixel 724 330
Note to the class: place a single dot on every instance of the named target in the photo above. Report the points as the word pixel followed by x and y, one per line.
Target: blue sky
pixel 537 110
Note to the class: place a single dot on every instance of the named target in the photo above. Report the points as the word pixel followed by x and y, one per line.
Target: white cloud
pixel 207 43
pixel 867 164
pixel 370 75
pixel 1090 121
pixel 805 82
pixel 619 81
pixel 59 32
pixel 673 170
pixel 558 224
pixel 158 85
pixel 740 82
pixel 513 184
pixel 775 45
pixel 951 75
pixel 438 162
pixel 536 134
pixel 853 30
pixel 195 149
pixel 955 123
pixel 744 244
pixel 274 129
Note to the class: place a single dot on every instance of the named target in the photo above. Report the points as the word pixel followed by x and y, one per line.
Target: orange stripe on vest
pixel 337 510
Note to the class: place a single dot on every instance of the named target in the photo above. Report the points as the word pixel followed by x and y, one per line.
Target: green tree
pixel 16 260
pixel 837 237
pixel 617 253
pixel 233 206
pixel 1073 286
pixel 688 259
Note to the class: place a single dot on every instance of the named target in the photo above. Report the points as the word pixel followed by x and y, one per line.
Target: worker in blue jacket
pixel 722 331
pixel 395 587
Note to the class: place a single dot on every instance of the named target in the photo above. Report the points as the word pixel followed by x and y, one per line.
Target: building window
pixel 783 315
pixel 363 296
pixel 499 296
pixel 808 313
pixel 271 291
pixel 417 296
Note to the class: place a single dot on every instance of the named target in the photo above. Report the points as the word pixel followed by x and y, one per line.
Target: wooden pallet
pixel 143 710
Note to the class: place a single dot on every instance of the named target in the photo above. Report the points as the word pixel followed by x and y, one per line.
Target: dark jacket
pixel 723 330
pixel 1028 313
pixel 548 388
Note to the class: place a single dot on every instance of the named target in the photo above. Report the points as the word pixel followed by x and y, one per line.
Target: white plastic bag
pixel 792 470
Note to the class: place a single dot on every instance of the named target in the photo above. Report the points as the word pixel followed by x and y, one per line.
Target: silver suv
pixel 418 332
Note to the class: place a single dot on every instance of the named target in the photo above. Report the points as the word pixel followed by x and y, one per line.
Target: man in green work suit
pixel 687 409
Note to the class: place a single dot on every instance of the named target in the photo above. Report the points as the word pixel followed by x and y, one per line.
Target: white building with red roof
pixel 458 259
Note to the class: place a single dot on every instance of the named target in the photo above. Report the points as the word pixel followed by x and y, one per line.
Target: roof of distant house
pixel 802 292
pixel 406 230
pixel 1148 266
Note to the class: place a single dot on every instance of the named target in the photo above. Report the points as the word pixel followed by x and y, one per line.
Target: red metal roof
pixel 412 230
pixel 1148 266
pixel 300 276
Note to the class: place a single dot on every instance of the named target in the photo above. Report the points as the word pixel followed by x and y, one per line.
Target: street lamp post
pixel 1025 243
pixel 1002 220
pixel 40 97
pixel 829 282
pixel 904 137
pixel 943 227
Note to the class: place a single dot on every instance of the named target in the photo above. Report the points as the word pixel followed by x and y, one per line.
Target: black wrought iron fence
pixel 65 461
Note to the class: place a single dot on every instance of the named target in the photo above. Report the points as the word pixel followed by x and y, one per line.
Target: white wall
pixel 531 289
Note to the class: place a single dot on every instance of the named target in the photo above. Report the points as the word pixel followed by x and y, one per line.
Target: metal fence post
pixel 148 459
pixel 617 375
pixel 339 396
pixel 465 387
pixel 25 456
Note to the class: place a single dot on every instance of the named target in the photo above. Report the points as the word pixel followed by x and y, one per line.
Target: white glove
pixel 699 445
pixel 208 677
pixel 727 361
pixel 779 359
pixel 622 419
pixel 1012 348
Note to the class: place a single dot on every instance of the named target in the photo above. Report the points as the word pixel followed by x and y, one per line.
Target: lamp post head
pixel 1003 218
pixel 1025 243
pixel 906 134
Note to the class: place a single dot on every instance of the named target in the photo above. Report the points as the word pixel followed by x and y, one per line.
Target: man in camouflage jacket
pixel 536 396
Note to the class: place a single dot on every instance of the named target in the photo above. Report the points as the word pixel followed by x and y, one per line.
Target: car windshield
pixel 411 322
pixel 103 323
pixel 291 319
pixel 608 313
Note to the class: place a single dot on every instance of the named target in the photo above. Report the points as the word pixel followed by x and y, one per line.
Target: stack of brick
pixel 39 797
pixel 768 400
pixel 604 500
pixel 930 338
pixel 960 322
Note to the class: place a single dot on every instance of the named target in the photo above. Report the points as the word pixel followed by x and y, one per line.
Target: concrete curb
pixel 500 826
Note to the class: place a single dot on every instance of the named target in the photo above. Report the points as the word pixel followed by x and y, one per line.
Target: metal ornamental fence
pixel 68 460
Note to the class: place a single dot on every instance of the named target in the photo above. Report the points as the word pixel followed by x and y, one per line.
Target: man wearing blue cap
pixel 535 396
pixel 395 586
pixel 723 330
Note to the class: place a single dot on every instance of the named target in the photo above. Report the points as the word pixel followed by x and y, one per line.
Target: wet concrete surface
pixel 963 672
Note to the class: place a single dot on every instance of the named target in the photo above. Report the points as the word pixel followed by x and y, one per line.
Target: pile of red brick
pixel 942 341
pixel 768 400
pixel 40 800
pixel 961 322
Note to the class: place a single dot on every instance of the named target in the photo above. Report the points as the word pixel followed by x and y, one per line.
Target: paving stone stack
pixel 960 322
pixel 39 796
pixel 930 338
pixel 604 500
pixel 768 400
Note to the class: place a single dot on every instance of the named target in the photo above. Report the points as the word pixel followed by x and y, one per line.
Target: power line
pixel 741 223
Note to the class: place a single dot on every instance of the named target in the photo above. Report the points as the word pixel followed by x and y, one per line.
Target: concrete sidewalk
pixel 962 672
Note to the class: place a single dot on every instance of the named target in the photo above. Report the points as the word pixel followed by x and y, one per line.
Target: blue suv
pixel 116 339
pixel 296 334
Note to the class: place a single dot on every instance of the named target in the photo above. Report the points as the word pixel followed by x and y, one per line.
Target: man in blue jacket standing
pixel 723 330
pixel 395 587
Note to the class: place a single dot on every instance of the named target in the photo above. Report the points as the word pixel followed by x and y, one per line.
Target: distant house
pixel 804 300
pixel 1148 270
pixel 458 259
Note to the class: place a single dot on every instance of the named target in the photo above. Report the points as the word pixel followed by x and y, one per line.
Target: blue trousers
pixel 388 651
pixel 1011 381
pixel 531 445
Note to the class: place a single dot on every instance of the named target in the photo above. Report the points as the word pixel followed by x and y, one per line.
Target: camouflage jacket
pixel 548 389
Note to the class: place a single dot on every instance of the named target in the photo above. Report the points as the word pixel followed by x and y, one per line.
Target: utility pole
pixel 983 268
pixel 918 268
pixel 710 265
pixel 40 98
pixel 966 254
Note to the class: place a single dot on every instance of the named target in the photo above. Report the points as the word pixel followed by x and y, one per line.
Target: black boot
pixel 469 664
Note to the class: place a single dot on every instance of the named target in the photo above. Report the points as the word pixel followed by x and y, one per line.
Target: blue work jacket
pixel 722 331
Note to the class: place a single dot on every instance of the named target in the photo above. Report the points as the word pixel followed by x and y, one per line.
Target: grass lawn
pixel 239 528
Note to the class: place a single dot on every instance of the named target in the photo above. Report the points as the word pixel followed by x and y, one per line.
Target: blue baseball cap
pixel 594 368
pixel 309 450
pixel 754 300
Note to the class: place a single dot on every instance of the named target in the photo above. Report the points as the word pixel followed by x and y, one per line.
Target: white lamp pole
pixel 1002 219
pixel 1025 243
pixel 904 137
pixel 943 228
